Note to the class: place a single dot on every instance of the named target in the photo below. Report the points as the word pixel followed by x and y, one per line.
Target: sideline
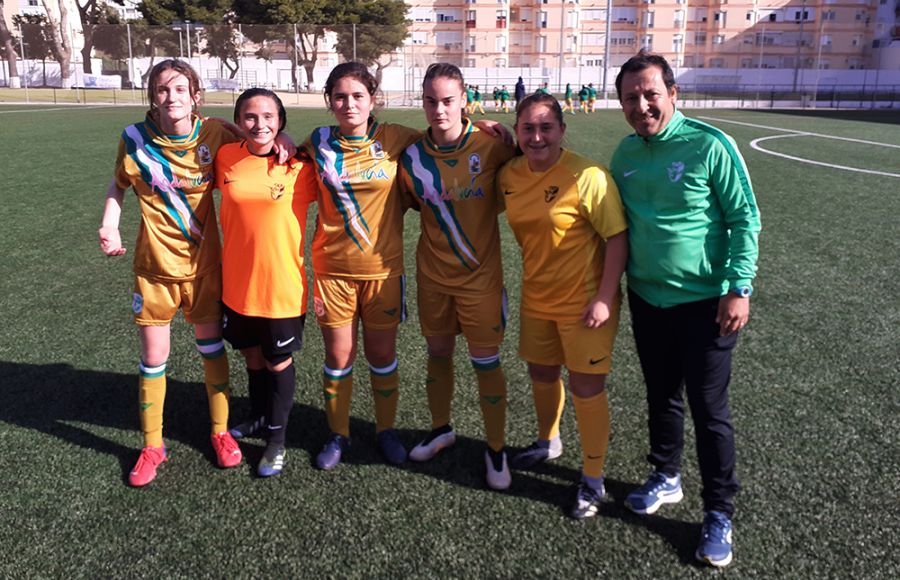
pixel 793 133
pixel 39 109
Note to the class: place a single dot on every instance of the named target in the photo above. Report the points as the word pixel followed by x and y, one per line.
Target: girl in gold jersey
pixel 566 214
pixel 167 160
pixel 358 255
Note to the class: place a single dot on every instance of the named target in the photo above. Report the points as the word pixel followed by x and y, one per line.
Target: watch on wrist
pixel 742 291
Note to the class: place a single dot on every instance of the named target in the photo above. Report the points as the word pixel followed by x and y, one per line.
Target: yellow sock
pixel 152 395
pixel 549 400
pixel 385 391
pixel 338 391
pixel 218 391
pixel 439 387
pixel 492 396
pixel 592 414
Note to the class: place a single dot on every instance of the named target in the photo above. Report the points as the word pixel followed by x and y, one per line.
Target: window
pixel 824 64
pixel 716 63
pixel 543 19
pixel 719 39
pixel 828 15
pixel 857 40
pixel 542 44
pixel 801 15
pixel 572 19
pixel 500 43
pixel 826 40
pixel 749 16
pixel 677 43
pixel 647 41
pixel 593 39
pixel 700 38
pixel 720 18
pixel 648 19
pixel 679 17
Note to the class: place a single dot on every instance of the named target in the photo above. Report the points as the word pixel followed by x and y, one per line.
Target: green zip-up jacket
pixel 693 223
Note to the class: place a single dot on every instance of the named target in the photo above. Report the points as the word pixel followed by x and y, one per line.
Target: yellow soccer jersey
pixel 453 188
pixel 561 218
pixel 359 231
pixel 173 179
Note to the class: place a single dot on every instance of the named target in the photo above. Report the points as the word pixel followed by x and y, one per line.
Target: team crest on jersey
pixel 474 163
pixel 550 193
pixel 377 150
pixel 204 154
pixel 319 307
pixel 276 190
pixel 137 303
pixel 675 171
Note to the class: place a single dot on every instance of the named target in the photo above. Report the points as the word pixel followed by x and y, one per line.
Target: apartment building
pixel 826 34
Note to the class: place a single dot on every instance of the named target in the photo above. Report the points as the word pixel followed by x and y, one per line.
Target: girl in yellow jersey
pixel 566 214
pixel 168 161
pixel 358 255
pixel 448 176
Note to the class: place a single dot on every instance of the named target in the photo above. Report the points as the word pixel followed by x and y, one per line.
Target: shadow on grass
pixel 53 398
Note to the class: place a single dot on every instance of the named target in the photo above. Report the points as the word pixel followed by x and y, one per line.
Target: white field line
pixel 38 109
pixel 793 133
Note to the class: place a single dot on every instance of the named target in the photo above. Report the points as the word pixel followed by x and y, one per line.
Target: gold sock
pixel 338 391
pixel 385 391
pixel 592 414
pixel 218 391
pixel 492 396
pixel 549 400
pixel 439 387
pixel 152 395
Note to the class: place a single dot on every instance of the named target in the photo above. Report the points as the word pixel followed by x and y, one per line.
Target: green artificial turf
pixel 814 396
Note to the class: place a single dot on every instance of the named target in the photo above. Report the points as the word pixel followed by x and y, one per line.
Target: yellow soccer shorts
pixel 155 302
pixel 380 304
pixel 481 319
pixel 570 343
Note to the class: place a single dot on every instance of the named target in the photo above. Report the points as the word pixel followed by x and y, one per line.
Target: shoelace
pixel 716 528
pixel 145 457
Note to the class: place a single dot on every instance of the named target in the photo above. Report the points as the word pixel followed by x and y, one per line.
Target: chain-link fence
pixel 297 59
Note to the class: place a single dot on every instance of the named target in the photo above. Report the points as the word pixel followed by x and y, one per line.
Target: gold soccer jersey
pixel 172 177
pixel 453 187
pixel 560 218
pixel 359 232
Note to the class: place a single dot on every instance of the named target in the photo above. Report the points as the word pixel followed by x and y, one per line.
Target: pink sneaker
pixel 228 454
pixel 145 469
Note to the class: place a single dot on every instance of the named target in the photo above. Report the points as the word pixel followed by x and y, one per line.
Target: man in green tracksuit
pixel 693 226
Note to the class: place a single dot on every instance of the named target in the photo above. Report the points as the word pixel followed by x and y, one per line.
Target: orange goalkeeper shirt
pixel 264 207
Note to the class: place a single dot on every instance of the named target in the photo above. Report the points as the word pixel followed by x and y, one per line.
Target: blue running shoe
pixel 587 501
pixel 331 453
pixel 715 540
pixel 248 428
pixel 537 453
pixel 272 462
pixel 390 446
pixel 657 490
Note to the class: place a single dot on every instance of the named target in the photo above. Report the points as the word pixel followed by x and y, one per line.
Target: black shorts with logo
pixel 278 337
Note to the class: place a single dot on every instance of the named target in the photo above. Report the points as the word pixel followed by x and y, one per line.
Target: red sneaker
pixel 228 454
pixel 145 469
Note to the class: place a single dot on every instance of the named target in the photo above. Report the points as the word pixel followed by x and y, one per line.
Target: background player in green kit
pixel 448 176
